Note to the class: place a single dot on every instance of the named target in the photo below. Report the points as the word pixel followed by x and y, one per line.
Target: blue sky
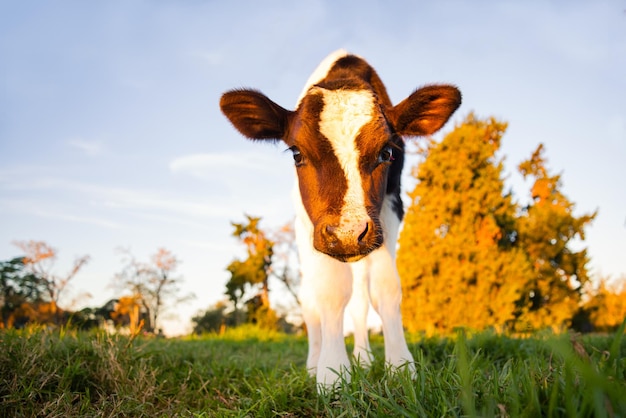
pixel 111 134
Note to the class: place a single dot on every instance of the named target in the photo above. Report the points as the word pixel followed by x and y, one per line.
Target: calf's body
pixel 347 143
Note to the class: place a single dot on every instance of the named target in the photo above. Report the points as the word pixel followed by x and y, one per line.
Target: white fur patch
pixel 345 112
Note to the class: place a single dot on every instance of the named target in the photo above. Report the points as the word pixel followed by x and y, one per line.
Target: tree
pixel 215 319
pixel 17 287
pixel 153 285
pixel 252 274
pixel 607 304
pixel 547 229
pixel 284 258
pixel 458 256
pixel 38 261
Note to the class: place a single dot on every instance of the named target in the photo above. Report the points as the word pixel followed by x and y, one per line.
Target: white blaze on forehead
pixel 345 112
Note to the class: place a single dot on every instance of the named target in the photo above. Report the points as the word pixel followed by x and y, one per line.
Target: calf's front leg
pixel 359 308
pixel 386 295
pixel 324 293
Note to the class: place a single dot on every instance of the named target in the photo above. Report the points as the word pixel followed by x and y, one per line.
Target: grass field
pixel 250 372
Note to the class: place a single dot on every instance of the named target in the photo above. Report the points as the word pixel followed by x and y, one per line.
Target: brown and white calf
pixel 346 140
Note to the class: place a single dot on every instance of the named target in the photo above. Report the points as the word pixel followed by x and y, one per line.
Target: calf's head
pixel 346 140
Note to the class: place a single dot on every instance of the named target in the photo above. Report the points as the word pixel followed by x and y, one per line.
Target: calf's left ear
pixel 425 111
pixel 254 114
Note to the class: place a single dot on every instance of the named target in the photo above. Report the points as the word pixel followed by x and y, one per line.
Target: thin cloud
pixel 141 200
pixel 79 219
pixel 33 209
pixel 207 166
pixel 91 148
pixel 120 198
pixel 232 179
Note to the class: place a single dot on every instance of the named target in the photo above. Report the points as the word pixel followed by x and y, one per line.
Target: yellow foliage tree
pixel 252 274
pixel 607 305
pixel 547 227
pixel 457 256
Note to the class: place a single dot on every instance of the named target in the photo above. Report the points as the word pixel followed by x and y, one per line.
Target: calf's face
pixel 347 148
pixel 343 149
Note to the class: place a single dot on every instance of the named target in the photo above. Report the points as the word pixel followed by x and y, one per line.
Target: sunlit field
pixel 252 372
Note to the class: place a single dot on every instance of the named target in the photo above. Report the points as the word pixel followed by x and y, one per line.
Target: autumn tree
pixel 285 259
pixel 250 276
pixel 154 284
pixel 606 304
pixel 270 254
pixel 547 229
pixel 458 256
pixel 39 259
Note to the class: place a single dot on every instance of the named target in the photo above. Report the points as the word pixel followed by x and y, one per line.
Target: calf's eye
pixel 298 158
pixel 386 155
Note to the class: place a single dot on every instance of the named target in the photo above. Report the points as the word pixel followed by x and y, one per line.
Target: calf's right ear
pixel 425 111
pixel 255 115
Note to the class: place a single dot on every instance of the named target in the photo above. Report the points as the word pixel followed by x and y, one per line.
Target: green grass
pixel 250 372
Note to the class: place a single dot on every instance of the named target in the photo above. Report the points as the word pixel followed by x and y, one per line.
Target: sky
pixel 111 135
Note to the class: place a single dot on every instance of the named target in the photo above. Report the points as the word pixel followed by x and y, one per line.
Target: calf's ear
pixel 254 114
pixel 425 111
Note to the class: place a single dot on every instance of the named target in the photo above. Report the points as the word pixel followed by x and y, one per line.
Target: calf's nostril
pixel 364 233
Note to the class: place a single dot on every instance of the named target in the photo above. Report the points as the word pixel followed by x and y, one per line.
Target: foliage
pixel 250 276
pixel 216 319
pixel 17 288
pixel 90 318
pixel 607 304
pixel 128 310
pixel 221 318
pixel 457 257
pixel 254 372
pixel 469 256
pixel 547 227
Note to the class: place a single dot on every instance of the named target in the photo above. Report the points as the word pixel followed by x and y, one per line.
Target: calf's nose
pixel 353 233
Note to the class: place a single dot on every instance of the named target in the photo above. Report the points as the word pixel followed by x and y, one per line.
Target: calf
pixel 346 140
